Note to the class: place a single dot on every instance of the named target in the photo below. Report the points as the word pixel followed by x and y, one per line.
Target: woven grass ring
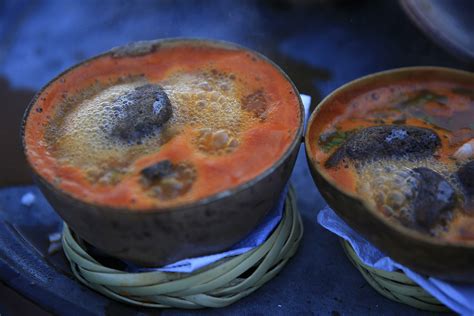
pixel 394 285
pixel 216 285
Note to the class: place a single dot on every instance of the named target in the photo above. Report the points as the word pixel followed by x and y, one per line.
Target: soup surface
pixel 167 128
pixel 405 149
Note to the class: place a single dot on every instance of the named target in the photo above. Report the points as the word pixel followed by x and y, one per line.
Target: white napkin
pixel 459 297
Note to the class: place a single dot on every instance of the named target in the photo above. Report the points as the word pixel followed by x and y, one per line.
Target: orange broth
pixel 446 107
pixel 261 142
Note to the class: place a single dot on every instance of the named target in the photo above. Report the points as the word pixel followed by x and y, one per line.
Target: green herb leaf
pixel 330 140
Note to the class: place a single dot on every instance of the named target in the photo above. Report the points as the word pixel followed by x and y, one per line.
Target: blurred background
pixel 320 44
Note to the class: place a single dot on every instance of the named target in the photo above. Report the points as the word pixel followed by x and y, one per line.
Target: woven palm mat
pixel 217 285
pixel 394 285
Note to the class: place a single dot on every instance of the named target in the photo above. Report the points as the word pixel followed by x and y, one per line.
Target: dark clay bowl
pixel 422 253
pixel 159 237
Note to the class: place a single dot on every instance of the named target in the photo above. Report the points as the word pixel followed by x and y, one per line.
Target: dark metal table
pixel 321 46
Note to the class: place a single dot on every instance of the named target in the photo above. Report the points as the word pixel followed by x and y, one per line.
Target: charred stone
pixel 387 141
pixel 466 177
pixel 140 112
pixel 435 198
pixel 158 171
pixel 166 180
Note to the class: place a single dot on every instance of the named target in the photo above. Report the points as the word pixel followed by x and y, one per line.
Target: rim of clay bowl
pixel 140 48
pixel 360 82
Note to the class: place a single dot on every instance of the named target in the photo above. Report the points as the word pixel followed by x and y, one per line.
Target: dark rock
pixel 435 197
pixel 166 180
pixel 387 141
pixel 466 177
pixel 140 112
pixel 158 171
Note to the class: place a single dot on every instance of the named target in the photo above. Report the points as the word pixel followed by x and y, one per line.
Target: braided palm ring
pixel 394 285
pixel 217 285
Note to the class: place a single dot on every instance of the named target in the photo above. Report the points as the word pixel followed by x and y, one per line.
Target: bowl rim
pixel 316 166
pixel 139 48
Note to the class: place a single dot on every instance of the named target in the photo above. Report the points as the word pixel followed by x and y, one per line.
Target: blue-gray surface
pixel 321 46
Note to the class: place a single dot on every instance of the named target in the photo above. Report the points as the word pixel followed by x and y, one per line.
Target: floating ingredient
pixel 139 112
pixel 466 151
pixel 166 180
pixel 387 141
pixel 434 200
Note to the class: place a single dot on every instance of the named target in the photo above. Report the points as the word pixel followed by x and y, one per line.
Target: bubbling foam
pixel 391 186
pixel 81 134
pixel 209 100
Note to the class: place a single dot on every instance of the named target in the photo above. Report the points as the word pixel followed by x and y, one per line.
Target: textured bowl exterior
pixel 423 254
pixel 162 236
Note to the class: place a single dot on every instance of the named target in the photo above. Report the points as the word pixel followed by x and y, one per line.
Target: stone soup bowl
pixel 162 236
pixel 418 251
